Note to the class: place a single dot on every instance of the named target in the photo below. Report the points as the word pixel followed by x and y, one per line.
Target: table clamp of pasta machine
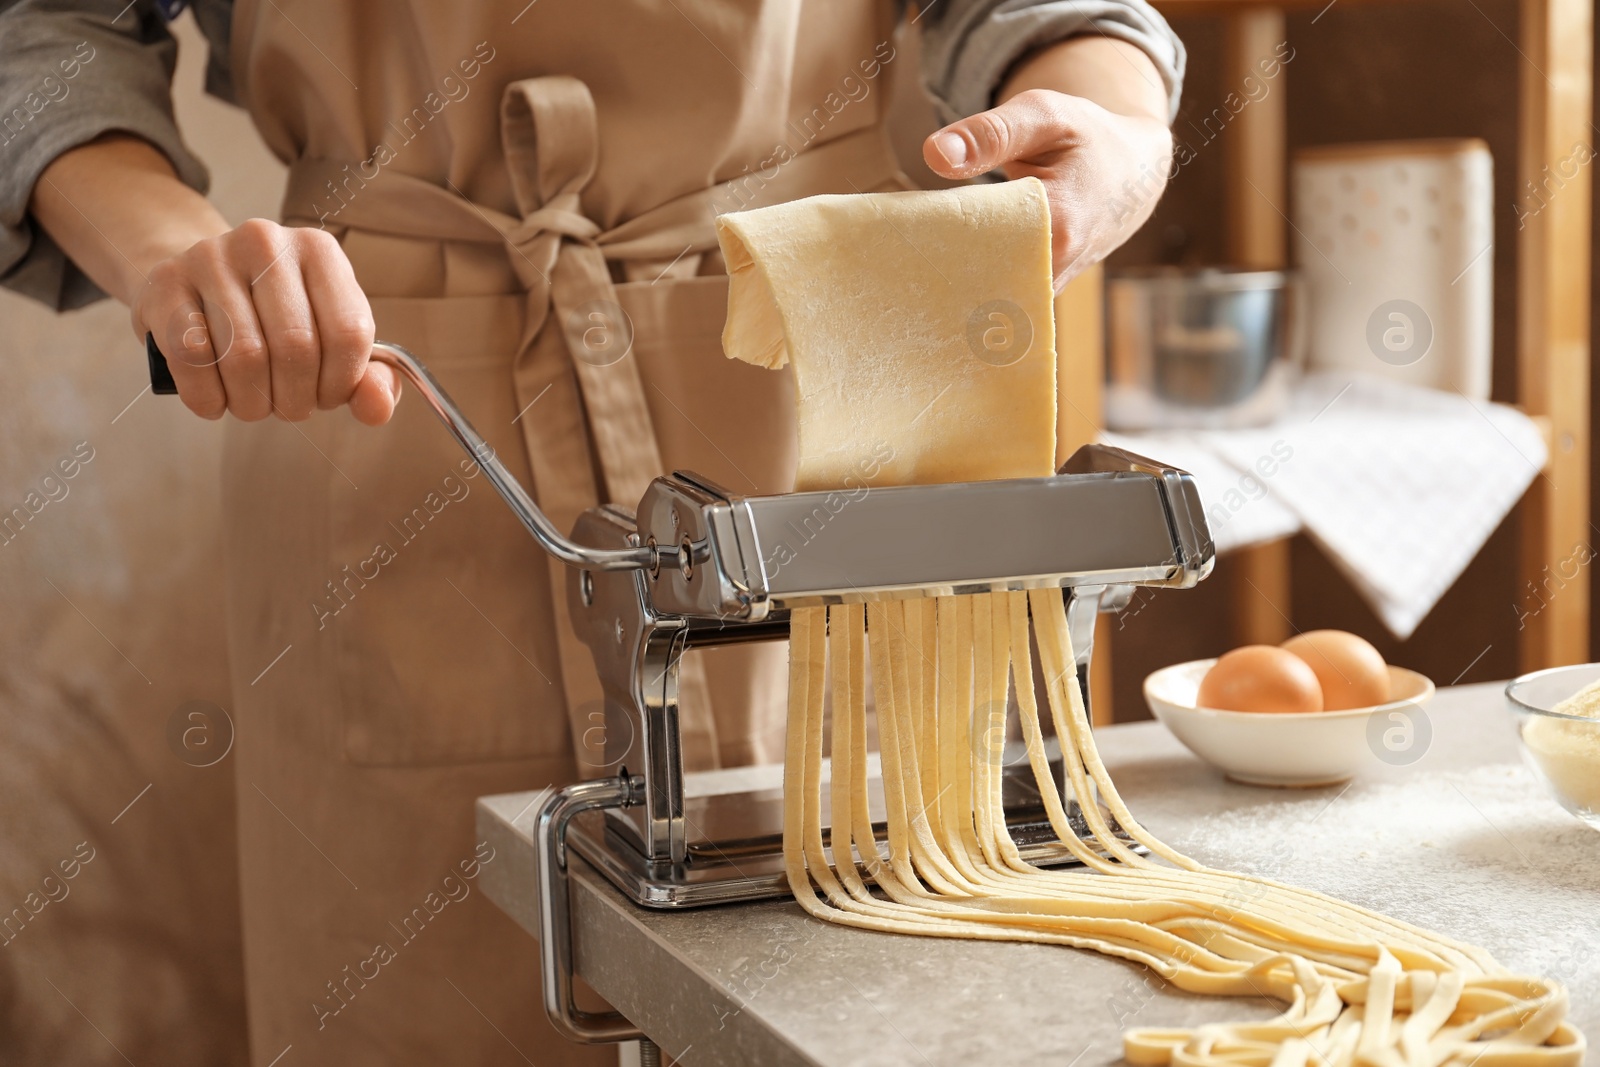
pixel 697 566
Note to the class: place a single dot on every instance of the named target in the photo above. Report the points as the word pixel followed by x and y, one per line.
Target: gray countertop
pixel 1463 841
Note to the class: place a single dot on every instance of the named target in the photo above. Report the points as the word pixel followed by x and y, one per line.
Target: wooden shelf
pixel 1553 295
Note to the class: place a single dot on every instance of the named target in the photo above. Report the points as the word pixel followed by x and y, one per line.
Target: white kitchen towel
pixel 1400 485
pixel 1239 509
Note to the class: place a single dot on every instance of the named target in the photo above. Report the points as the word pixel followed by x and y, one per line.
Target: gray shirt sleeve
pixel 969 45
pixel 71 70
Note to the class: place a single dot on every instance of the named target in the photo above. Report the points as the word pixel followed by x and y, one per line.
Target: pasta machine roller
pixel 696 566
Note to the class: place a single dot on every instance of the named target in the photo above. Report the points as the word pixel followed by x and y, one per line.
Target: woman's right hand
pixel 265 320
pixel 258 319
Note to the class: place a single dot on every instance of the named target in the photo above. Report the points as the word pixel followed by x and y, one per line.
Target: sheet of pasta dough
pixel 920 326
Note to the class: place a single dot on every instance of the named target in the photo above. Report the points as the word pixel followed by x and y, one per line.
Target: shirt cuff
pixel 73 78
pixel 966 60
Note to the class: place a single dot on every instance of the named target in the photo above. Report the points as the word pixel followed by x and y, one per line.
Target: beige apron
pixel 519 187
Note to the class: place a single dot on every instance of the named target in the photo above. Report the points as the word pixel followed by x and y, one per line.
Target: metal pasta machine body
pixel 696 566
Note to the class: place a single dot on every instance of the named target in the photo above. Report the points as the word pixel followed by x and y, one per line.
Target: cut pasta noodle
pixel 1359 988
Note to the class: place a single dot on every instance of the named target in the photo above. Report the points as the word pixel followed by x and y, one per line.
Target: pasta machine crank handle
pixel 555 919
pixel 556 959
pixel 642 557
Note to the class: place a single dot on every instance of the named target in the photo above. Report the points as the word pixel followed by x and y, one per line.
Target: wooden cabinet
pixel 1553 294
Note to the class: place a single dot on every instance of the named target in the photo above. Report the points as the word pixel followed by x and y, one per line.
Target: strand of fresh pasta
pixel 1359 986
pixel 1036 755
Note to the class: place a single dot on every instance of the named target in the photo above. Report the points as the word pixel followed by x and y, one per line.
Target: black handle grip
pixel 161 382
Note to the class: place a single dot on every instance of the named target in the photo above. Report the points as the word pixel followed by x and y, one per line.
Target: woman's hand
pixel 258 319
pixel 1103 154
pixel 266 320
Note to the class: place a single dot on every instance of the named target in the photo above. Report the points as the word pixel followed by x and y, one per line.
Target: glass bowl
pixel 1563 750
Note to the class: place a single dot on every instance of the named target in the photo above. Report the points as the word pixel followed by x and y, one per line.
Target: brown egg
pixel 1261 678
pixel 1352 673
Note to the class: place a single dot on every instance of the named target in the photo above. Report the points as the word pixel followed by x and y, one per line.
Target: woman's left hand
pixel 1102 171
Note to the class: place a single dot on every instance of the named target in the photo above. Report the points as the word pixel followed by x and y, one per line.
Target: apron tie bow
pixel 561 218
pixel 535 240
pixel 551 141
pixel 550 137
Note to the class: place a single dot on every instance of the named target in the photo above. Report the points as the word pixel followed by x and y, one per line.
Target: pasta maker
pixel 695 566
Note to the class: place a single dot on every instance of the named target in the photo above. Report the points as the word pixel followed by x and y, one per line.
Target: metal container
pixel 1212 348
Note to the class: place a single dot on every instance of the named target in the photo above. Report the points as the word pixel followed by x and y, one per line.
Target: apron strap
pixel 411 207
pixel 591 436
pixel 551 143
pixel 552 146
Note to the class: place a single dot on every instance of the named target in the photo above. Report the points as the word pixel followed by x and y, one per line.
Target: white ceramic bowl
pixel 1303 750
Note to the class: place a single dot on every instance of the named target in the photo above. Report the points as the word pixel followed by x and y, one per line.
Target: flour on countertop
pixel 1431 851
